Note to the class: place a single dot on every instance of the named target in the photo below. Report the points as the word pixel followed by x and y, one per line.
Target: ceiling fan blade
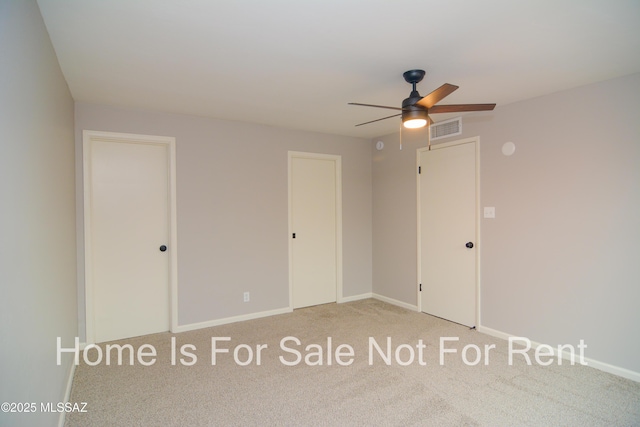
pixel 377 120
pixel 456 108
pixel 437 95
pixel 376 106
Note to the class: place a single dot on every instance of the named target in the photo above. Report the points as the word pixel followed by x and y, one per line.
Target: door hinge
pixel 294 236
pixel 420 287
pixel 419 169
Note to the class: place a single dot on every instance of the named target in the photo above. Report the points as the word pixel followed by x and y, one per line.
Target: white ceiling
pixel 297 63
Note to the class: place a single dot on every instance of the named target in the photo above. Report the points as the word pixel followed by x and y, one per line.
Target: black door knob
pixel 469 245
pixel 163 248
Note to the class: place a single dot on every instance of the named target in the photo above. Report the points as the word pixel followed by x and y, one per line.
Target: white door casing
pixel 448 206
pixel 315 217
pixel 129 212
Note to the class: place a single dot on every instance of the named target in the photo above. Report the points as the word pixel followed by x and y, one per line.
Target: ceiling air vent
pixel 446 128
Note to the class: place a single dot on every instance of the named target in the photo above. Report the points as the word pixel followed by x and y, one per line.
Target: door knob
pixel 163 248
pixel 469 245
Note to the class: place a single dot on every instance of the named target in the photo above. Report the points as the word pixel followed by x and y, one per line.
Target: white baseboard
pixel 217 322
pixel 233 319
pixel 67 392
pixel 395 302
pixel 250 316
pixel 605 367
pixel 493 332
pixel 615 370
pixel 355 298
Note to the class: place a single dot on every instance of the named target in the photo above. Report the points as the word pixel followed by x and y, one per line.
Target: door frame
pixel 88 136
pixel 338 191
pixel 478 246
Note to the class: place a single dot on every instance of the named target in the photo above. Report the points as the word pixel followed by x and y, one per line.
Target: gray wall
pixel 394 217
pixel 560 262
pixel 232 207
pixel 37 216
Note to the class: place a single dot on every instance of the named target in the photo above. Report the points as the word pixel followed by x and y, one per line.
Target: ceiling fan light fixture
pixel 415 123
pixel 414 118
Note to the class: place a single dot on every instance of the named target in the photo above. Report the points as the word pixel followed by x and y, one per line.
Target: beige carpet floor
pixel 364 393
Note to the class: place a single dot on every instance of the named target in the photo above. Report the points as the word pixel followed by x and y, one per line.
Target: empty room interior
pixel 319 213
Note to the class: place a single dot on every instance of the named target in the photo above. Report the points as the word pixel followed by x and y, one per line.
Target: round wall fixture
pixel 379 145
pixel 508 148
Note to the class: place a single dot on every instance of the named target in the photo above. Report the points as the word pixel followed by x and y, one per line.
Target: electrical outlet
pixel 246 297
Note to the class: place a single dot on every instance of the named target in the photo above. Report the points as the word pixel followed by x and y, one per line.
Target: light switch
pixel 489 212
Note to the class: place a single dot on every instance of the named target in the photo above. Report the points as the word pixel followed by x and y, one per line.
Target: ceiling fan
pixel 416 109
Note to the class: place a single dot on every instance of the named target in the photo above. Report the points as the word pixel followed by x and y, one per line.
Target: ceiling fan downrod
pixel 414 77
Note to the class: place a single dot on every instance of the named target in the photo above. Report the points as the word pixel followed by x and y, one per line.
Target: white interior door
pixel 126 223
pixel 447 226
pixel 314 224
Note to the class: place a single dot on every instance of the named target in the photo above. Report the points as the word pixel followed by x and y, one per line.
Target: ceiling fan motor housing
pixel 412 111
